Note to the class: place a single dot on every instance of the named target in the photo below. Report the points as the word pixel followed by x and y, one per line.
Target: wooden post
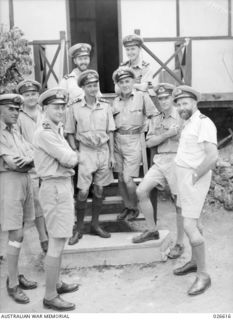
pixel 62 54
pixel 11 13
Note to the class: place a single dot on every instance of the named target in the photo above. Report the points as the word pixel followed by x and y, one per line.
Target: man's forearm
pixel 71 141
pixel 154 140
pixel 207 164
pixel 111 143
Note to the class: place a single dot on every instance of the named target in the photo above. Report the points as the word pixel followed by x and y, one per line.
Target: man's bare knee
pixel 120 177
pixel 98 191
pixel 16 235
pixel 142 192
pixel 82 195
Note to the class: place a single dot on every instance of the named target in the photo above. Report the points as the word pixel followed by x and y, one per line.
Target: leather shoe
pixel 100 232
pixel 176 251
pixel 77 235
pixel 132 214
pixel 146 236
pixel 44 246
pixel 26 284
pixel 185 269
pixel 200 285
pixel 17 294
pixel 123 214
pixel 59 304
pixel 67 288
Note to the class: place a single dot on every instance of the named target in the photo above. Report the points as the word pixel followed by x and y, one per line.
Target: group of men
pixel 46 138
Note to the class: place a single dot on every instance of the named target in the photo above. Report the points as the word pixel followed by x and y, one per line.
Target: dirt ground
pixel 139 288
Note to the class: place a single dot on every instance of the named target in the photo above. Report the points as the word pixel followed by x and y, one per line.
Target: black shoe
pixel 44 246
pixel 186 269
pixel 77 235
pixel 59 304
pixel 132 214
pixel 100 232
pixel 200 285
pixel 26 284
pixel 146 236
pixel 67 288
pixel 17 294
pixel 123 214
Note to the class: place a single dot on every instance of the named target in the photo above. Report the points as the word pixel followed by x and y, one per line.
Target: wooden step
pixel 118 250
pixel 111 217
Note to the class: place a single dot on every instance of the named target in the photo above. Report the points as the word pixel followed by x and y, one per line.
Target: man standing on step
pixel 130 110
pixel 16 192
pixel 164 132
pixel 80 54
pixel 54 162
pixel 142 69
pixel 90 127
pixel 196 156
pixel 30 118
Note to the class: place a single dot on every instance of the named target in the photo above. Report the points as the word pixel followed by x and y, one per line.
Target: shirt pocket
pixel 136 117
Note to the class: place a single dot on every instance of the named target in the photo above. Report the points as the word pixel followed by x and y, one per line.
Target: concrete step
pixel 111 217
pixel 92 250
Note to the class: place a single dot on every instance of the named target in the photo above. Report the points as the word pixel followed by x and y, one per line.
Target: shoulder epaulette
pixel 67 76
pixel 46 125
pixel 124 63
pixel 202 116
pixel 145 64
pixel 73 101
pixel 103 100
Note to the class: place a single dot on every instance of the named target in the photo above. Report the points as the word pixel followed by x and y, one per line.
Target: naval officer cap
pixel 88 76
pixel 28 85
pixel 11 99
pixel 132 40
pixel 80 49
pixel 164 89
pixel 122 73
pixel 53 96
pixel 185 92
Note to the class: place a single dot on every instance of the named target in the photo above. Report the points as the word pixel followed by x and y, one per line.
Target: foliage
pixel 15 62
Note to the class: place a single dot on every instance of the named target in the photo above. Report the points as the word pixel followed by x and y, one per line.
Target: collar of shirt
pixel 173 114
pixel 53 126
pixel 193 118
pixel 3 127
pixel 131 95
pixel 83 103
pixel 75 72
pixel 25 112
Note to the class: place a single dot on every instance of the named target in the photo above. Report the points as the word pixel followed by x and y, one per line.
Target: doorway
pixel 96 22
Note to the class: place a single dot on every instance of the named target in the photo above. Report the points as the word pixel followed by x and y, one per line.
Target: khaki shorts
pixel 56 199
pixel 161 174
pixel 94 167
pixel 191 198
pixel 128 154
pixel 36 187
pixel 16 200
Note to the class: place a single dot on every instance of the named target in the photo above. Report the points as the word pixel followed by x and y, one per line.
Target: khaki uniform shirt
pixel 91 126
pixel 131 113
pixel 143 71
pixel 12 144
pixel 28 125
pixel 196 131
pixel 70 84
pixel 159 124
pixel 53 156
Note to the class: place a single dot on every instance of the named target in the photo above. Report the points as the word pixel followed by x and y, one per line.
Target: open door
pixel 96 22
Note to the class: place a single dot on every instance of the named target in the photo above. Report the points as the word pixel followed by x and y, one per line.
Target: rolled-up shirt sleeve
pixel 70 124
pixel 51 144
pixel 149 107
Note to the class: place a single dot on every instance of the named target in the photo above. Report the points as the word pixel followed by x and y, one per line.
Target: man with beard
pixel 80 54
pixel 30 118
pixel 90 127
pixel 164 132
pixel 16 196
pixel 54 163
pixel 196 156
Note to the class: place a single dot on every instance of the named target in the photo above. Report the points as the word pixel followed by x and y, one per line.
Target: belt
pixel 128 132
